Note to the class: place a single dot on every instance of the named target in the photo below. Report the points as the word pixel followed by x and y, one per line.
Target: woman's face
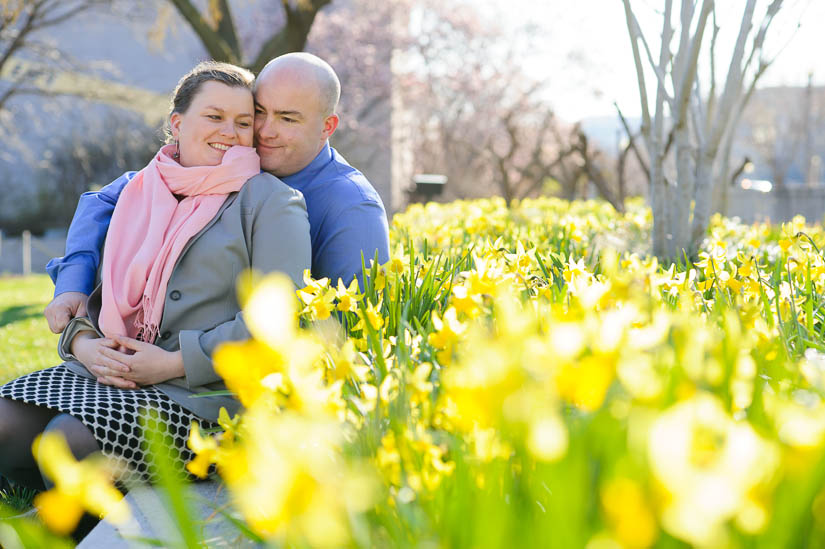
pixel 219 117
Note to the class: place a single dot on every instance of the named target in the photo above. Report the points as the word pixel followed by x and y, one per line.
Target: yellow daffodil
pixel 205 449
pixel 708 464
pixel 629 513
pixel 347 297
pixel 78 487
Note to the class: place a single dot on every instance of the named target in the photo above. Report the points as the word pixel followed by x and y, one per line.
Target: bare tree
pixel 701 122
pixel 521 147
pixel 27 59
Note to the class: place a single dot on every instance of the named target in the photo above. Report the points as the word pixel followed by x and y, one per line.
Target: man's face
pixel 290 128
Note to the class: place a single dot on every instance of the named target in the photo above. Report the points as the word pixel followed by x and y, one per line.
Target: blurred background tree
pixel 479 117
pixel 28 60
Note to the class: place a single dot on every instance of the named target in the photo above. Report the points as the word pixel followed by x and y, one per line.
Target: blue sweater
pixel 346 219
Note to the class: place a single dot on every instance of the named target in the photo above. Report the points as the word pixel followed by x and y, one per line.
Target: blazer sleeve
pixel 279 242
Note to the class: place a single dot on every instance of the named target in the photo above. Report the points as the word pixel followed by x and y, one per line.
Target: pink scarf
pixel 150 228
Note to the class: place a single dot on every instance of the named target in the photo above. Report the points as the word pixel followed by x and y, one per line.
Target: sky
pixel 587 60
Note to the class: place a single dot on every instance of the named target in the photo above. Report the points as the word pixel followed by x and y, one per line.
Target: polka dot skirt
pixel 112 415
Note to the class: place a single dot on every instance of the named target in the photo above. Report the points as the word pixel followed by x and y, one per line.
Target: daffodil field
pixel 532 377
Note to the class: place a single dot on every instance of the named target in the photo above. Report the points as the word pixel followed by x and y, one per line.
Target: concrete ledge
pixel 152 521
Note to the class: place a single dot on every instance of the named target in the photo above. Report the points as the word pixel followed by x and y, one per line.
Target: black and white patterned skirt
pixel 113 416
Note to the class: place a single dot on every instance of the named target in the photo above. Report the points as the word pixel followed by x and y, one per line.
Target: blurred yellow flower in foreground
pixel 245 366
pixel 78 487
pixel 547 438
pixel 708 465
pixel 291 482
pixel 270 310
pixel 205 448
pixel 628 513
pixel 446 334
pixel 585 382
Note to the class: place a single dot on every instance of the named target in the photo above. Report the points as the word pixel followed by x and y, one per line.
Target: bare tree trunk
pixel 657 200
pixel 702 198
pixel 684 191
pixel 662 199
pixel 731 105
pixel 722 190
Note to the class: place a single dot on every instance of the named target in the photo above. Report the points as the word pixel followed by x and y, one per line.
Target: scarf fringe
pixel 146 330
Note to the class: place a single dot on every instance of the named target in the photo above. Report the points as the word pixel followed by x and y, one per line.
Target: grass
pixel 26 344
pixel 18 498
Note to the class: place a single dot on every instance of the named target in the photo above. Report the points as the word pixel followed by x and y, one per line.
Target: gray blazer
pixel 264 226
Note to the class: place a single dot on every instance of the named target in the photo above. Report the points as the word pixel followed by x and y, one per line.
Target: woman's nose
pixel 228 129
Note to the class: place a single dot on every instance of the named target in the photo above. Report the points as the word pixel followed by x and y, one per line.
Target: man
pixel 296 96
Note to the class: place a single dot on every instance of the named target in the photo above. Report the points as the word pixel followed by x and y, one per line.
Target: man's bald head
pixel 295 100
pixel 305 66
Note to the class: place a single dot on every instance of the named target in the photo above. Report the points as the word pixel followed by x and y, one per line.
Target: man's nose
pixel 266 129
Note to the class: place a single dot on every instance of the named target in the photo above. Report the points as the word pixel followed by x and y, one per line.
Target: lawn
pixel 26 344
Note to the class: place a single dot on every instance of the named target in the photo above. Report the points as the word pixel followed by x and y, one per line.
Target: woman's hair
pixel 207 71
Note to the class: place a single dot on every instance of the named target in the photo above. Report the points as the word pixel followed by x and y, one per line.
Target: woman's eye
pixel 244 124
pixel 213 116
pixel 289 120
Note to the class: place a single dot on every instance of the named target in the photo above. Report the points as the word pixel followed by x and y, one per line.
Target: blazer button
pixel 166 335
pixel 175 295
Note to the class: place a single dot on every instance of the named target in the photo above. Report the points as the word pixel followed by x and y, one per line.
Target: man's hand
pixel 148 364
pixel 108 369
pixel 63 308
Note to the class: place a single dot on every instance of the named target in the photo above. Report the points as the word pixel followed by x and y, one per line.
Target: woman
pixel 183 230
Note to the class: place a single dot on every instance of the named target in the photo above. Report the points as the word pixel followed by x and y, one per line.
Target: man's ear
pixel 330 125
pixel 174 124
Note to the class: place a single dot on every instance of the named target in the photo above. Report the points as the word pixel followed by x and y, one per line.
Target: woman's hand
pixel 99 356
pixel 147 364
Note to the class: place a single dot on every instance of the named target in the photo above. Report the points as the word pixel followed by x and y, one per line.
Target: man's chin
pixel 271 167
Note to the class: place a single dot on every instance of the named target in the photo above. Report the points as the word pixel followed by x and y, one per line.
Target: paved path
pixel 153 521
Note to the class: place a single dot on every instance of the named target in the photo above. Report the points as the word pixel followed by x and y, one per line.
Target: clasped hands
pixel 125 362
pixel 120 361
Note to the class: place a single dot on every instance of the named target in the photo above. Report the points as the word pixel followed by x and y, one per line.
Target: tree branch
pixel 57 19
pixel 214 43
pixel 634 31
pixel 226 27
pixel 20 37
pixel 632 143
